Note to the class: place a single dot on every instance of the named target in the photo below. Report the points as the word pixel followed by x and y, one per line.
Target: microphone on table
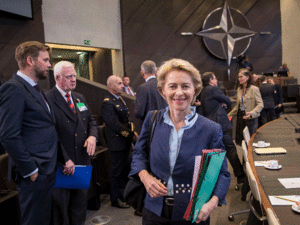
pixel 297 130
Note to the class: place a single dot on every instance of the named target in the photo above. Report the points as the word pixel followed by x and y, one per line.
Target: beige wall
pixel 72 22
pixel 290 23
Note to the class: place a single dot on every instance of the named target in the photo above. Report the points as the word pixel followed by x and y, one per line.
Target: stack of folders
pixel 206 172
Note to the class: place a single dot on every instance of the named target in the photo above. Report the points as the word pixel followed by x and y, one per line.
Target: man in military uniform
pixel 119 135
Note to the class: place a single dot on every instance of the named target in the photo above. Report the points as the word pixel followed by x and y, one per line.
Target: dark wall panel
pixel 13 31
pixel 151 30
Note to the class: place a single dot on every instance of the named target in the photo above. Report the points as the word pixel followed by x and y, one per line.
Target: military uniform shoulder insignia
pixel 106 99
pixel 125 133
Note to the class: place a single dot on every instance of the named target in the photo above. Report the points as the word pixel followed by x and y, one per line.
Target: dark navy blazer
pixel 73 129
pixel 116 118
pixel 211 104
pixel 204 134
pixel 27 128
pixel 267 95
pixel 148 98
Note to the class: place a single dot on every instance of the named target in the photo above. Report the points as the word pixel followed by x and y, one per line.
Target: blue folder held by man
pixel 79 180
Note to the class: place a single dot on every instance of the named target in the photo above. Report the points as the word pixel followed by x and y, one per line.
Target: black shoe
pixel 120 204
pixel 137 213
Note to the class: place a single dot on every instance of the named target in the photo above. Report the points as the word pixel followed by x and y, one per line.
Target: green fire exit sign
pixel 87 42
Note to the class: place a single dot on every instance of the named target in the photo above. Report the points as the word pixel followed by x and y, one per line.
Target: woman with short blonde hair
pixel 180 134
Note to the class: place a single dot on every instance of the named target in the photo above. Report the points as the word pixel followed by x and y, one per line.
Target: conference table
pixel 279 133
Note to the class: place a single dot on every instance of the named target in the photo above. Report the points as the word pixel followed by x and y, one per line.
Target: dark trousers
pixel 252 125
pixel 231 154
pixel 69 206
pixel 118 173
pixel 35 198
pixel 150 218
pixel 265 113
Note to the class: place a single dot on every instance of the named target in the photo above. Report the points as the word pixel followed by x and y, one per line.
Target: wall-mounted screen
pixel 18 7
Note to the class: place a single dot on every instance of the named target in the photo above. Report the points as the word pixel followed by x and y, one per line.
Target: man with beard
pixel 77 132
pixel 27 133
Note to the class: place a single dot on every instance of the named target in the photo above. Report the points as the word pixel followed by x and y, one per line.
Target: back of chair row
pixel 272 219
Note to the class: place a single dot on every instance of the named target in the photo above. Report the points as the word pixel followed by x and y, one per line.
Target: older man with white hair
pixel 77 132
pixel 119 135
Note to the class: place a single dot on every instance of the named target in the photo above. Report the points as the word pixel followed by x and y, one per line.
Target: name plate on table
pixel 270 151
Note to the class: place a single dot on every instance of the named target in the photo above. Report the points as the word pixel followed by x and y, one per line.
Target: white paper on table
pixel 290 182
pixel 261 163
pixel 196 171
pixel 278 201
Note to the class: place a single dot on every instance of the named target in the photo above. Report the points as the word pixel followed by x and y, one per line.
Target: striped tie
pixel 70 103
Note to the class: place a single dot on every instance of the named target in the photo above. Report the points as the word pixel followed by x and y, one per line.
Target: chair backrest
pixel 5 183
pixel 246 135
pixel 272 219
pixel 101 136
pixel 245 151
pixel 253 183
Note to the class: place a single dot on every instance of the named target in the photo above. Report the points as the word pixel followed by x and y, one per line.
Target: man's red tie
pixel 130 92
pixel 70 103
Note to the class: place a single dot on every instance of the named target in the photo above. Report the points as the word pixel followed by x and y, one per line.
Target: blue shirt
pixel 175 141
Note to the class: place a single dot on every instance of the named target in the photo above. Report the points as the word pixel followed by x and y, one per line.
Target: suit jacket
pixel 27 128
pixel 204 134
pixel 278 94
pixel 115 116
pixel 211 103
pixel 247 64
pixel 267 94
pixel 148 98
pixel 73 129
pixel 252 101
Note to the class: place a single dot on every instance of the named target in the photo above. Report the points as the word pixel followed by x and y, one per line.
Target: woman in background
pixel 248 105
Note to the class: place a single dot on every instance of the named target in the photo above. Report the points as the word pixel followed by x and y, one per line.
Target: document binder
pixel 79 180
pixel 208 174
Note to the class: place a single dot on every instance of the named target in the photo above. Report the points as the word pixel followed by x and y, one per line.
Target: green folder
pixel 209 181
pixel 201 178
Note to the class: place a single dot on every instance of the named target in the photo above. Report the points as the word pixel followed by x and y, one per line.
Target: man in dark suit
pixel 277 97
pixel 127 88
pixel 77 132
pixel 246 64
pixel 119 135
pixel 213 104
pixel 267 95
pixel 147 95
pixel 28 134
